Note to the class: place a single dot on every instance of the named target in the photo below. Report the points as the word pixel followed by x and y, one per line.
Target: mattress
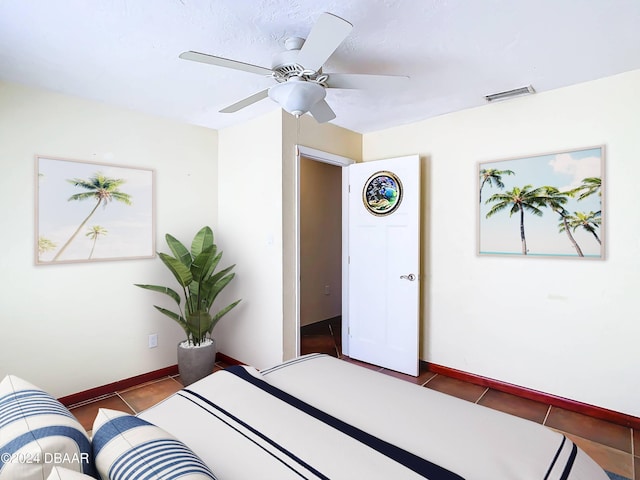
pixel 317 417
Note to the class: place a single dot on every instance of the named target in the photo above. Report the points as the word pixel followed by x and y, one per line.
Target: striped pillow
pixel 37 432
pixel 129 448
pixel 59 473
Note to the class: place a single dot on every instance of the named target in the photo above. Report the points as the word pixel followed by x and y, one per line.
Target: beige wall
pixel 560 326
pixel 72 327
pixel 250 220
pixel 564 327
pixel 320 241
pixel 257 212
pixel 63 324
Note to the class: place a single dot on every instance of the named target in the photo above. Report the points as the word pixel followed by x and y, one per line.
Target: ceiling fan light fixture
pixel 516 92
pixel 297 96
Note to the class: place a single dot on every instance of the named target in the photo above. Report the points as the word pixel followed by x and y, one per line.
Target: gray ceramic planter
pixel 196 362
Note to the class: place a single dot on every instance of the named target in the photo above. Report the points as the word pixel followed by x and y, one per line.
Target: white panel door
pixel 384 263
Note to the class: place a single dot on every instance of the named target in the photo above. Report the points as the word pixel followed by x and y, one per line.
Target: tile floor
pixel 614 447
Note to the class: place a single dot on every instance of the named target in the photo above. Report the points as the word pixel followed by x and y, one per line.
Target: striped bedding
pixel 318 417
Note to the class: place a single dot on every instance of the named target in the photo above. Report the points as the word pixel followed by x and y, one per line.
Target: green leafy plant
pixel 195 271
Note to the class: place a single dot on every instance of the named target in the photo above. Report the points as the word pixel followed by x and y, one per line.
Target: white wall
pixel 564 327
pixel 68 328
pixel 250 225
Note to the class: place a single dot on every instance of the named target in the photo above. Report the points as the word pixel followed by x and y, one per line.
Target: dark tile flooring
pixel 614 447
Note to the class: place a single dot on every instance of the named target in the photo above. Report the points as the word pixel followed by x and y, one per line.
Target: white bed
pixel 318 417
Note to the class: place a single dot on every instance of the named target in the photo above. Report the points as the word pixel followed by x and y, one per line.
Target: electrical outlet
pixel 153 340
pixel 327 290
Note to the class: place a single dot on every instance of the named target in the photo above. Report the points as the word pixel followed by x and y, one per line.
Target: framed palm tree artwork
pixel 548 205
pixel 88 212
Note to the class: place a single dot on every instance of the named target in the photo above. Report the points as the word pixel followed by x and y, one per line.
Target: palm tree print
pixel 519 200
pixel 94 233
pixel 102 190
pixel 589 186
pixel 567 184
pixel 45 245
pixel 491 176
pixel 555 199
pixel 587 221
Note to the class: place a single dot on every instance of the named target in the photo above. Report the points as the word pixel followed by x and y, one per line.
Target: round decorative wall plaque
pixel 382 193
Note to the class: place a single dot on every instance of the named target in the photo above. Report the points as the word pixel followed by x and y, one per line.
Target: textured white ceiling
pixel 125 52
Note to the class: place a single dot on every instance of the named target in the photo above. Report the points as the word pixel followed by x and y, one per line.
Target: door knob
pixel 411 277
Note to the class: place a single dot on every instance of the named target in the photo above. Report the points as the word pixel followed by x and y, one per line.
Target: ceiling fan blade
pixel 325 36
pixel 225 62
pixel 322 112
pixel 364 81
pixel 245 102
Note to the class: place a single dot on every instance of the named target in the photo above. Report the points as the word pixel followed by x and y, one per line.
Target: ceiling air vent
pixel 516 92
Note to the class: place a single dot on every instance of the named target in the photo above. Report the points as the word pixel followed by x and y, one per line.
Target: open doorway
pixel 321 242
pixel 320 257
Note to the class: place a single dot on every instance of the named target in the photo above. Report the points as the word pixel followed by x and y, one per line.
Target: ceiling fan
pixel 301 83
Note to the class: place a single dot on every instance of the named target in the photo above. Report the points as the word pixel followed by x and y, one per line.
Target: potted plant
pixel 195 272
